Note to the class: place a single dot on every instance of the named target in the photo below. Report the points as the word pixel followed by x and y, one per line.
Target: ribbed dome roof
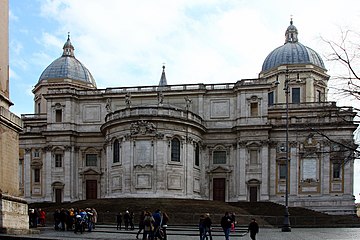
pixel 292 52
pixel 68 67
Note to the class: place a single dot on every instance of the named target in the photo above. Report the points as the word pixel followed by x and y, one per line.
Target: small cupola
pixel 291 34
pixel 68 49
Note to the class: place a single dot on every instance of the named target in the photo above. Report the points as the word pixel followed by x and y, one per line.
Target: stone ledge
pixel 16 231
pixel 12 198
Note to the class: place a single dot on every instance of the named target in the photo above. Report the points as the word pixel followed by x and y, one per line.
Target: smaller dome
pixel 292 52
pixel 68 67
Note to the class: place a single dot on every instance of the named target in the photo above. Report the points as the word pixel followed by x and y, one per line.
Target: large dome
pixel 68 67
pixel 292 52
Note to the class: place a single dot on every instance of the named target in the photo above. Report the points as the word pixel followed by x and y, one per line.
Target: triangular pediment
pixel 220 169
pixel 90 171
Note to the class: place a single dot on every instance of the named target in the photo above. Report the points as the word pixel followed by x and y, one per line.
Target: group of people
pixel 152 225
pixel 36 217
pixel 227 224
pixel 74 219
pixel 128 220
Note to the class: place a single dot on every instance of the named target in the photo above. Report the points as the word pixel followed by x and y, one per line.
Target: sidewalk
pixel 187 233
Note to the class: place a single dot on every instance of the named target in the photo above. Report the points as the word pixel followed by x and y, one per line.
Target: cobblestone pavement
pixel 186 234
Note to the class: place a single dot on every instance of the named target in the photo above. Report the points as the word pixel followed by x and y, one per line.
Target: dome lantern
pixel 68 49
pixel 291 34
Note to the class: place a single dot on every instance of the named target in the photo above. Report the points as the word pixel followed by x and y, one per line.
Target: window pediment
pixel 220 169
pixel 90 171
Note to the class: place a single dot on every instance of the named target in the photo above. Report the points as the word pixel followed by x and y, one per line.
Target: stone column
pixel 272 169
pixel 46 173
pixel 67 174
pixel 264 187
pixel 325 173
pixel 27 173
pixel 237 171
pixel 242 170
pixel 293 171
pixel 189 167
pixel 108 160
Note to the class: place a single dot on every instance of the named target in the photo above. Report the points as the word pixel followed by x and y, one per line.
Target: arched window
pixel 116 153
pixel 175 150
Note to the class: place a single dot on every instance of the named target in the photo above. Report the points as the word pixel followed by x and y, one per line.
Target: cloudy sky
pixel 126 42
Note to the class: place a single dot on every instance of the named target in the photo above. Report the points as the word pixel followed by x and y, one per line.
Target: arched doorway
pixel 253 190
pixel 58 189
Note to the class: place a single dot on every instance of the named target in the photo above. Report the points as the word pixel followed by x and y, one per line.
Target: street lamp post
pixel 286 225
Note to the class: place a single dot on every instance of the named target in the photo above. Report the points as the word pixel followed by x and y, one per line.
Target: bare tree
pixel 345 54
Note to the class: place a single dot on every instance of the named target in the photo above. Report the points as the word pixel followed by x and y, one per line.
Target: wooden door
pixel 219 189
pixel 58 195
pixel 91 189
pixel 253 194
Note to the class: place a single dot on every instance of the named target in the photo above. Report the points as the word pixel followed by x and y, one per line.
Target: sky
pixel 126 42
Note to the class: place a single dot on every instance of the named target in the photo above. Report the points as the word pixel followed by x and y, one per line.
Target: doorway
pixel 91 189
pixel 219 189
pixel 58 195
pixel 253 194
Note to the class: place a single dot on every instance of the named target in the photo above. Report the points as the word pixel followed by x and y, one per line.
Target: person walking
pixel 126 219
pixel 118 221
pixel 141 223
pixel 131 221
pixel 207 227
pixel 95 217
pixel 233 217
pixel 253 229
pixel 157 224
pixel 148 227
pixel 201 226
pixel 226 222
pixel 165 220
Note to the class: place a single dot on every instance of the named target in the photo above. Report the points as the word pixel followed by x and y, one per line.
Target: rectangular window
pixel 91 160
pixel 58 160
pixel 270 98
pixel 197 155
pixel 58 115
pixel 36 153
pixel 38 108
pixel 318 93
pixel 254 111
pixel 175 150
pixel 116 151
pixel 336 170
pixel 253 156
pixel 37 175
pixel 282 171
pixel 219 157
pixel 295 95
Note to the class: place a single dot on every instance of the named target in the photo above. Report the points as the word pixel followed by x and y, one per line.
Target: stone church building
pixel 222 141
pixel 13 209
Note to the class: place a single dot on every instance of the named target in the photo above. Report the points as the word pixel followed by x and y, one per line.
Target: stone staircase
pixel 187 212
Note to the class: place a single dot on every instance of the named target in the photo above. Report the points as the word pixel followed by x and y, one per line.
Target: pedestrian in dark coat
pixel 127 219
pixel 141 223
pixel 207 227
pixel 201 227
pixel 253 229
pixel 226 222
pixel 118 221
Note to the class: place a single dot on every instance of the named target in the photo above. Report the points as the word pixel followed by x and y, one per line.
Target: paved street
pixel 108 232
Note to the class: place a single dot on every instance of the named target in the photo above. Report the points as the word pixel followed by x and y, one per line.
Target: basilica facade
pixel 222 141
